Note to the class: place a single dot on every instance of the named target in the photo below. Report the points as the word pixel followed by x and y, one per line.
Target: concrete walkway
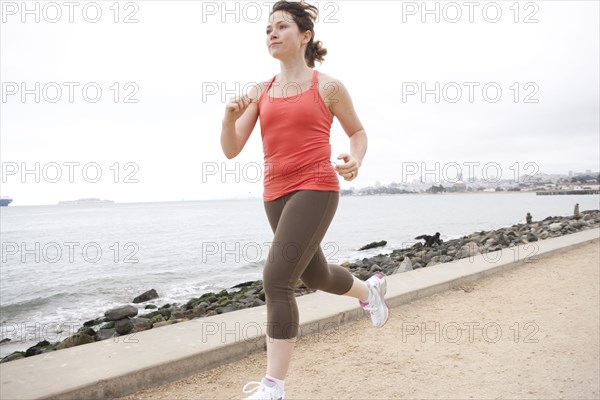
pixel 110 369
pixel 527 333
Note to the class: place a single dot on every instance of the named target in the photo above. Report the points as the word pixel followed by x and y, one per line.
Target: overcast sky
pixel 172 71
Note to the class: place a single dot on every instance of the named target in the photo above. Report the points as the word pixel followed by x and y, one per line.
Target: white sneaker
pixel 378 308
pixel 263 392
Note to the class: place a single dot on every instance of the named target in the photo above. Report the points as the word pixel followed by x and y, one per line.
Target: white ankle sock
pixel 279 382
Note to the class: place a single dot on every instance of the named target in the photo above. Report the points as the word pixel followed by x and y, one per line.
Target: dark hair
pixel 304 15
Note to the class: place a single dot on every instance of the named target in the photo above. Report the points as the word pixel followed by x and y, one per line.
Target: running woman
pixel 301 188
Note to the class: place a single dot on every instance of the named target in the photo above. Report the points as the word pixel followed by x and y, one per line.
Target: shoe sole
pixel 383 291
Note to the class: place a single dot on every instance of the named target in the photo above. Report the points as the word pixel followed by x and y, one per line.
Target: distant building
pixel 460 186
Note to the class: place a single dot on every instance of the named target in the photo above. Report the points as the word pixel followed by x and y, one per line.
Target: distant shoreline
pixel 260 198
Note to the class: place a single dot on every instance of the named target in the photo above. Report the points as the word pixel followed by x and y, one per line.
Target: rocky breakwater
pixel 127 319
pixel 418 256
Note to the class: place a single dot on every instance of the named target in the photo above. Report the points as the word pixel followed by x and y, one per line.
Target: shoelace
pixel 372 309
pixel 254 389
pixel 258 390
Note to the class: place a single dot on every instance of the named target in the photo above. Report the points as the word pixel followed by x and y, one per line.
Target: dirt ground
pixel 530 333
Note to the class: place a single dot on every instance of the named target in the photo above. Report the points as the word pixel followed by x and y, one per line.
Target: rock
pixel 258 302
pixel 146 296
pixel 406 265
pixel 555 227
pixel 439 259
pixel 502 240
pixel 469 250
pixel 417 246
pixel 14 356
pixel 374 268
pixel 75 340
pixel 108 325
pixel 141 324
pixel 222 310
pixel 575 224
pixel 104 334
pixel 242 285
pixel 124 326
pixel 39 348
pixel 531 237
pixel 156 319
pixel 373 245
pixel 425 255
pixel 87 330
pixel 177 314
pixel 197 312
pixel 164 323
pixel 118 313
pixel 93 322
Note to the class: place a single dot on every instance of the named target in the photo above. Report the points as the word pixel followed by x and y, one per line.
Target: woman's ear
pixel 307 37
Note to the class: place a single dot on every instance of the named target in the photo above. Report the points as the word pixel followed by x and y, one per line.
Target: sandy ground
pixel 530 333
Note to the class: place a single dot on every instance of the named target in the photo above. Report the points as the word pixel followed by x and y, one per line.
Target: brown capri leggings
pixel 299 221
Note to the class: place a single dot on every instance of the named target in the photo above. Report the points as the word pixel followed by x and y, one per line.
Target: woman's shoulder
pixel 256 89
pixel 331 87
pixel 324 79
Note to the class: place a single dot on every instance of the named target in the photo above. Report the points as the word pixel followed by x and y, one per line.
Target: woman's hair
pixel 304 15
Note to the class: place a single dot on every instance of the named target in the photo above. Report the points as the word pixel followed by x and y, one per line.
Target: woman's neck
pixel 296 72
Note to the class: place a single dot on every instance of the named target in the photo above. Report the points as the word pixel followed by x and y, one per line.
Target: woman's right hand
pixel 235 107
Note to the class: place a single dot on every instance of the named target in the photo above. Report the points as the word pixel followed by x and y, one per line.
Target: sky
pixel 124 100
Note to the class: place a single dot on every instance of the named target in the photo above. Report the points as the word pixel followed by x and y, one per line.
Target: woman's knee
pixel 275 285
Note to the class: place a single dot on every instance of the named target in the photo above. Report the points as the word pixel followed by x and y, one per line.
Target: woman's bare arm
pixel 343 109
pixel 241 114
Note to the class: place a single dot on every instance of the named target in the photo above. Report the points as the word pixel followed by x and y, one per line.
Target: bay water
pixel 65 264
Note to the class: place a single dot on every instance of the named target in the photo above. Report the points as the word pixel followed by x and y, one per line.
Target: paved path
pixel 529 333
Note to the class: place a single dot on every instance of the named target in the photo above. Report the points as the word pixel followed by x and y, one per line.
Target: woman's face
pixel 283 37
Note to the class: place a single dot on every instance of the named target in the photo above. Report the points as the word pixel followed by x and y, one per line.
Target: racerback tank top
pixel 295 133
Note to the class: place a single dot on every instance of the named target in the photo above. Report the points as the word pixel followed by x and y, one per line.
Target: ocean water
pixel 68 264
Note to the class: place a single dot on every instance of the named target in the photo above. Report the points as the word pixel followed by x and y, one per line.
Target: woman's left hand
pixel 348 170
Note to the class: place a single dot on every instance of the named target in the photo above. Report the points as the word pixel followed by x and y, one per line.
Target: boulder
pixel 554 227
pixel 373 245
pixel 115 314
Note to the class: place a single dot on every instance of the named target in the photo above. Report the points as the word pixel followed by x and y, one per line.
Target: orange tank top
pixel 295 134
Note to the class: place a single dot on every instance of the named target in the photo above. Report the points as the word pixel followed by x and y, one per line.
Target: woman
pixel 301 188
